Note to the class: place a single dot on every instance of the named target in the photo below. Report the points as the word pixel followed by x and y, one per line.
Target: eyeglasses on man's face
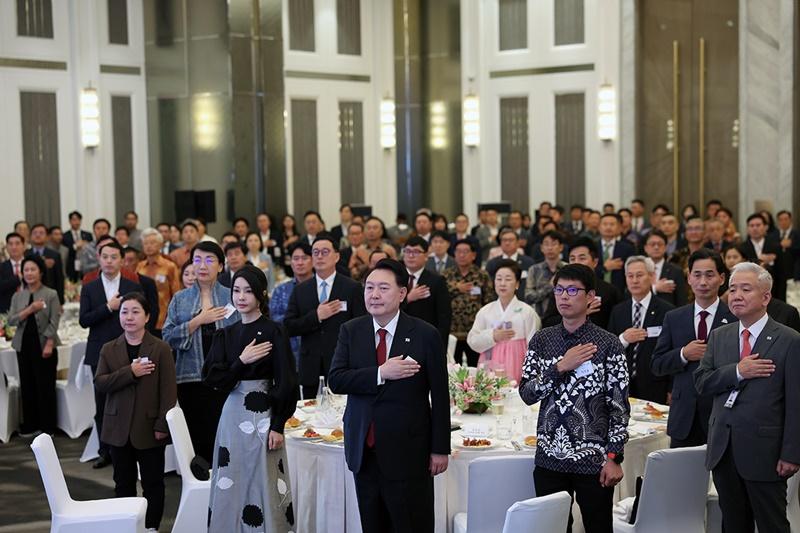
pixel 322 252
pixel 558 290
pixel 412 252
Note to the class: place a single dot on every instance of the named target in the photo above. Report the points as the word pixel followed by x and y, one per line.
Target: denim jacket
pixel 189 348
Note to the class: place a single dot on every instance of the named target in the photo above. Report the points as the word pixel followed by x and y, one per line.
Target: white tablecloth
pixel 8 358
pixel 323 489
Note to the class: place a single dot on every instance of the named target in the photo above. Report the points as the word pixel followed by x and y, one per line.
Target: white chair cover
pixel 542 514
pixel 793 504
pixel 193 508
pixel 120 515
pixel 495 483
pixel 75 405
pixel 674 494
pixel 9 406
pixel 451 349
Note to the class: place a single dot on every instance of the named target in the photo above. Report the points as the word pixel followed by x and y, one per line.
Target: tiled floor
pixel 23 504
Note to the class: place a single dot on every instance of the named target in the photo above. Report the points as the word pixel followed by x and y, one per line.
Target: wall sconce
pixel 606 113
pixel 388 131
pixel 206 116
pixel 438 120
pixel 472 117
pixel 90 118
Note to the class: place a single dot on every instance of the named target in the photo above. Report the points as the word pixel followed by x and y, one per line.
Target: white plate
pixel 460 446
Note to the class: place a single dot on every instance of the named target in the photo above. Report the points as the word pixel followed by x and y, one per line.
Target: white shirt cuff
pixel 738 375
pixel 625 343
pixel 381 381
pixel 683 359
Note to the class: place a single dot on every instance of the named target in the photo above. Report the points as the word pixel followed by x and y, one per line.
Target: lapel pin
pixel 724 320
pixel 769 338
pixel 259 333
pixel 408 340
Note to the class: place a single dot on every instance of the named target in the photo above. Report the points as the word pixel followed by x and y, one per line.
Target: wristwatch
pixel 616 457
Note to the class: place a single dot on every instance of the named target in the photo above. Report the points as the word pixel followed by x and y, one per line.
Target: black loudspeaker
pixel 502 208
pixel 362 210
pixel 193 204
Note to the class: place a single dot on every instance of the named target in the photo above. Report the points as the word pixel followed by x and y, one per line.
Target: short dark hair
pixel 105 238
pixel 559 208
pixel 705 253
pixel 325 236
pixel 208 247
pixel 555 235
pixel 468 242
pixel 112 244
pixel 757 216
pixel 725 210
pixel 656 233
pixel 35 259
pixel 75 214
pixel 423 214
pixel 783 212
pixel 235 246
pixel 507 229
pixel 101 220
pixel 624 210
pixel 395 267
pixel 511 265
pixel 713 201
pixel 341 207
pixel 576 272
pixel 51 229
pixel 303 245
pixel 585 242
pixel 378 251
pixel 637 201
pixel 441 234
pixel 315 213
pixel 229 234
pixel 612 215
pixel 608 204
pixel 356 224
pixel 131 212
pixel 660 207
pixel 416 240
pixel 38 225
pixel 122 228
pixel 131 250
pixel 163 224
pixel 694 217
pixel 260 242
pixel 576 206
pixel 14 235
pixel 190 223
pixel 138 297
pixel 241 219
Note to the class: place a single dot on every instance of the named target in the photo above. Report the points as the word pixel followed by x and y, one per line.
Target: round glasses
pixel 558 290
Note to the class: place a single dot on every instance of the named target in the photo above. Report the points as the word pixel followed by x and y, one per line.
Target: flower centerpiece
pixel 472 390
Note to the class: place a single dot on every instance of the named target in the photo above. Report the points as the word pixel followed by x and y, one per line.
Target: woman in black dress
pixel 253 362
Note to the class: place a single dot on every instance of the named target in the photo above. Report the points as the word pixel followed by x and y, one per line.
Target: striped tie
pixel 637 323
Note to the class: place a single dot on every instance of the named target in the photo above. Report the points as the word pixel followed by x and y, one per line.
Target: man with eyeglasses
pixel 638 321
pixel 579 374
pixel 427 296
pixel 317 308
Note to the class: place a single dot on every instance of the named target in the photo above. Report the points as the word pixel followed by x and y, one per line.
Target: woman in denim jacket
pixel 194 315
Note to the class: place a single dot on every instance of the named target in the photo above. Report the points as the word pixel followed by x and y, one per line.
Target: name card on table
pixel 475 430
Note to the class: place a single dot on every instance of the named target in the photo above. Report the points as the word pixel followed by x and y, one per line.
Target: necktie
pixel 439 266
pixel 410 283
pixel 381 358
pixel 606 256
pixel 637 323
pixel 745 344
pixel 702 327
pixel 323 293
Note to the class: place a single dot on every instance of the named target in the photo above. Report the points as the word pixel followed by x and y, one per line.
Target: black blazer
pixel 622 250
pixel 103 324
pixel 53 277
pixel 69 242
pixel 784 313
pixel 318 339
pixel 607 292
pixel 680 296
pixel 8 285
pixel 411 416
pixel 645 385
pixel 436 309
pixel 771 246
pixel 678 331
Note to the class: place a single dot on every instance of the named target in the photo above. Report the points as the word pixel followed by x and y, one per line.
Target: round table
pixel 323 490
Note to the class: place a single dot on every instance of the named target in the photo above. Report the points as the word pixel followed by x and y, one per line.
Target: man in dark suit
pixel 784 313
pixel 439 260
pixel 11 270
pixel 790 244
pixel 638 321
pixel 340 230
pixel 99 312
pixel 584 252
pixel 397 421
pixel 317 308
pixel 683 343
pixel 74 239
pixel 510 245
pixel 54 276
pixel 752 371
pixel 613 251
pixel 670 284
pixel 766 251
pixel 428 298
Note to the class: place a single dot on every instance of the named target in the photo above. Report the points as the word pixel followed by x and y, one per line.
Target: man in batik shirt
pixel 579 373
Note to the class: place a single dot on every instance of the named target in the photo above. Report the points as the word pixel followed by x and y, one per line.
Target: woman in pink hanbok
pixel 502 328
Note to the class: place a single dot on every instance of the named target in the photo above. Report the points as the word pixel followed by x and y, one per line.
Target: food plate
pixel 310 434
pixel 335 436
pixel 462 446
pixel 293 424
pixel 528 442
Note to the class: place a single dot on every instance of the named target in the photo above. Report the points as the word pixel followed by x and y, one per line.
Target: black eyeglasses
pixel 558 290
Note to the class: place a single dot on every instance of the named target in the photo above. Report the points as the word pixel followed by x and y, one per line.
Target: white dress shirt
pixel 645 304
pixel 758 246
pixel 415 275
pixel 328 284
pixel 111 286
pixel 390 328
pixel 712 312
pixel 755 330
pixel 610 244
pixel 514 257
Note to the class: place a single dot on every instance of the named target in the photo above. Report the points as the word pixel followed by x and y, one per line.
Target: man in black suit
pixel 317 309
pixel 752 371
pixel 99 312
pixel 784 313
pixel 340 230
pixel 766 251
pixel 584 252
pixel 397 421
pixel 670 284
pixel 682 345
pixel 73 239
pixel 428 298
pixel 790 244
pixel 54 275
pixel 440 260
pixel 510 245
pixel 638 321
pixel 11 270
pixel 613 251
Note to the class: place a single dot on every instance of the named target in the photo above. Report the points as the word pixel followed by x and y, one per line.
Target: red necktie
pixel 702 327
pixel 381 351
pixel 745 344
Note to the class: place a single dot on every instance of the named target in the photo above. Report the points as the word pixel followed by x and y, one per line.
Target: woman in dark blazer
pixel 35 311
pixel 136 372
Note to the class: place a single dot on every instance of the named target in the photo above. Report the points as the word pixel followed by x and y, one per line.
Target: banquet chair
pixel 120 515
pixel 193 508
pixel 9 406
pixel 539 515
pixel 451 349
pixel 793 503
pixel 495 484
pixel 75 405
pixel 673 479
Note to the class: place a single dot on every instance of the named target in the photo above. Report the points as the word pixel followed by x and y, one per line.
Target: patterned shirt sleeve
pixel 539 375
pixel 617 398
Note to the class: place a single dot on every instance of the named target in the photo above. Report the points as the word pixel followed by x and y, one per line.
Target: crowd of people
pixel 242 327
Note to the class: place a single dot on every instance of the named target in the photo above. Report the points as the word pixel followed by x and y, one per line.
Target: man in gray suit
pixel 752 370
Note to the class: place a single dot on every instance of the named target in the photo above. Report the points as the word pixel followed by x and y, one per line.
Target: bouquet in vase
pixel 472 390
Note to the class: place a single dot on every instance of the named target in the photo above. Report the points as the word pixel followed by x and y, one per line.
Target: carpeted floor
pixel 24 507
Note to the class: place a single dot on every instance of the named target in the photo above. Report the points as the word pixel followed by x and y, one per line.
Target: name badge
pixel 475 291
pixel 161 278
pixel 343 305
pixel 524 274
pixel 229 310
pixel 277 251
pixel 586 369
pixel 654 331
pixel 732 398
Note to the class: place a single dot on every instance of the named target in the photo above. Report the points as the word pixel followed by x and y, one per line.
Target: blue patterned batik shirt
pixel 580 418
